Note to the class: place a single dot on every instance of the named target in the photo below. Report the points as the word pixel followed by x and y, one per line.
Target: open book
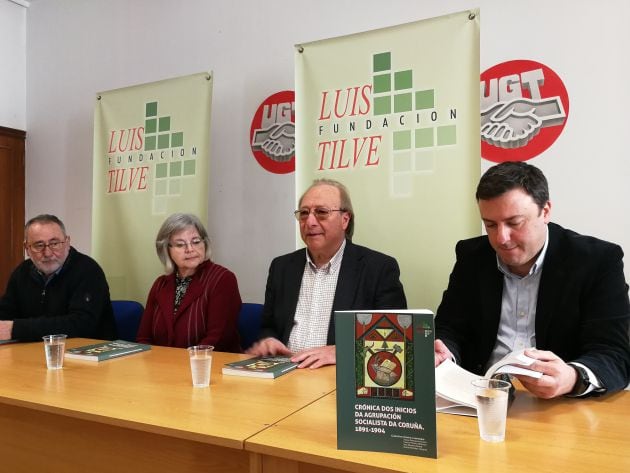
pixel 454 393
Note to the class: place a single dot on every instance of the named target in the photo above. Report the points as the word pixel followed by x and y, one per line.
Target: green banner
pixel 394 115
pixel 151 158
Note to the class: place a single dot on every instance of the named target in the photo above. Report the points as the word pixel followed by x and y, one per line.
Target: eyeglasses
pixel 321 213
pixel 54 245
pixel 182 245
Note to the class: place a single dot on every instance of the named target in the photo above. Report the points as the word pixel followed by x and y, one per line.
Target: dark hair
pixel 345 202
pixel 43 219
pixel 509 175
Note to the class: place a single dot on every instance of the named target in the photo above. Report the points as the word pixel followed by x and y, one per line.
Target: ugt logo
pixel 524 107
pixel 272 133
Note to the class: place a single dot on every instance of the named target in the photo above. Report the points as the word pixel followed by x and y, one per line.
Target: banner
pixel 394 115
pixel 151 154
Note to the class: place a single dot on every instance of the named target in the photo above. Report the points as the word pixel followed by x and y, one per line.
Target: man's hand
pixel 6 329
pixel 558 377
pixel 315 357
pixel 441 352
pixel 268 347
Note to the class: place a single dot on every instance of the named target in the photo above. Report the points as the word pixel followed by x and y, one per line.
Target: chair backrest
pixel 127 315
pixel 249 320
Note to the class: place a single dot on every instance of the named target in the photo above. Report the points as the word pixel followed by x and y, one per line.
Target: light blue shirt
pixel 517 326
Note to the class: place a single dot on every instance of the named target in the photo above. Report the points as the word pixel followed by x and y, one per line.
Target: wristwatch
pixel 582 383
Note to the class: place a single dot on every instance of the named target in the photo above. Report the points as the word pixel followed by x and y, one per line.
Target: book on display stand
pixel 386 381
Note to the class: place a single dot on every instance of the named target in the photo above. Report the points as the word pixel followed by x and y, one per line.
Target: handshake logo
pixel 277 141
pixel 524 109
pixel 513 123
pixel 272 133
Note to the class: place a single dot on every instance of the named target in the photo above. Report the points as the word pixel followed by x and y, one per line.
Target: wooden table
pixel 559 436
pixel 138 413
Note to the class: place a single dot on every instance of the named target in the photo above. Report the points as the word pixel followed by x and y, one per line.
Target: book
pixel 386 381
pixel 453 384
pixel 260 367
pixel 105 350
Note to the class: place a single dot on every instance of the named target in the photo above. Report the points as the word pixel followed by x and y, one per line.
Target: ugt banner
pixel 394 115
pixel 151 153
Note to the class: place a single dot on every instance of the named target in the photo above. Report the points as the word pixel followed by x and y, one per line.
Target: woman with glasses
pixel 197 301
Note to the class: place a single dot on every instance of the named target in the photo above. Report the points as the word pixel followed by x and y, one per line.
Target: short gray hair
pixel 43 219
pixel 173 224
pixel 344 195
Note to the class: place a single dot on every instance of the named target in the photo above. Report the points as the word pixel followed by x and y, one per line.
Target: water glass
pixel 55 347
pixel 200 364
pixel 492 403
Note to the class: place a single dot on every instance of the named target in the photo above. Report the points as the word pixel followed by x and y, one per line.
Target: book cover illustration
pixel 385 382
pixel 384 355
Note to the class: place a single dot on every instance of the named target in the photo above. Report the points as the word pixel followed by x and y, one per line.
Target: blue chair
pixel 127 315
pixel 249 321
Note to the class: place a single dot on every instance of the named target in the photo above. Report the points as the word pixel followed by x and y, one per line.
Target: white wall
pixel 78 47
pixel 13 68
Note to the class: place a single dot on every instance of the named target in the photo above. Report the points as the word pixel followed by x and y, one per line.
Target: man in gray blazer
pixel 532 283
pixel 305 287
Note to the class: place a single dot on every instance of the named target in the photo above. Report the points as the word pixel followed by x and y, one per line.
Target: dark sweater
pixel 75 301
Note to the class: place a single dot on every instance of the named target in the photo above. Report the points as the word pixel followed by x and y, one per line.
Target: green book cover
pixel 386 381
pixel 105 350
pixel 260 367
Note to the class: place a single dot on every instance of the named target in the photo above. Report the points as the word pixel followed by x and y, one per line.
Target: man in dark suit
pixel 532 283
pixel 305 287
